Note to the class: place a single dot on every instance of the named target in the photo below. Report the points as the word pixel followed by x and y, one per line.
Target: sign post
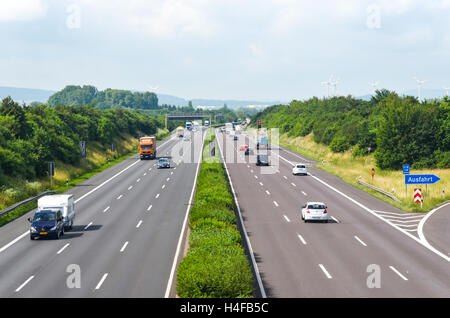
pixel 406 170
pixel 51 172
pixel 420 179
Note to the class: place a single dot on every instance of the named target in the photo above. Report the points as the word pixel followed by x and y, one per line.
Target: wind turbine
pixel 419 86
pixel 334 83
pixel 374 85
pixel 328 88
pixel 447 89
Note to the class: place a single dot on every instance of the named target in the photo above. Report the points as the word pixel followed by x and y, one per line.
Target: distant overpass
pixel 182 116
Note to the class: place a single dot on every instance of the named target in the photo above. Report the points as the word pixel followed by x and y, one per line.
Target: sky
pixel 262 50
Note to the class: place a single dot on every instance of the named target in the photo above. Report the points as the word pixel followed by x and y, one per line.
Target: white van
pixel 62 202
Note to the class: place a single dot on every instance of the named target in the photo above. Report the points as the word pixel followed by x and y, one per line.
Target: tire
pixel 31 238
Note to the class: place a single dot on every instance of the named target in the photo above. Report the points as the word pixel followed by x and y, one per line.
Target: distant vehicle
pixel 235 138
pixel 248 151
pixel 262 140
pixel 186 138
pixel 163 163
pixel 314 211
pixel 63 203
pixel 262 160
pixel 47 223
pixel 243 147
pixel 206 123
pixel 196 125
pixel 180 131
pixel 299 169
pixel 188 125
pixel 147 147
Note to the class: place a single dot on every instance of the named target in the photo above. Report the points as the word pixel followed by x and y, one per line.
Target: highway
pixel 365 249
pixel 126 234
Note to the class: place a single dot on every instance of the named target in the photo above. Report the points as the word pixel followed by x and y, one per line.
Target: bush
pixel 215 272
pixel 202 210
pixel 339 144
pixel 216 265
pixel 211 235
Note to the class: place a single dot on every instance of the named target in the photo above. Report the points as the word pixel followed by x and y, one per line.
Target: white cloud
pixel 21 10
pixel 158 18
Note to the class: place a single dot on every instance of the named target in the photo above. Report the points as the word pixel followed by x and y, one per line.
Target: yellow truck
pixel 180 132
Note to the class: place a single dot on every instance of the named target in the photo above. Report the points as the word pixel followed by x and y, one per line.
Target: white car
pixel 299 169
pixel 315 211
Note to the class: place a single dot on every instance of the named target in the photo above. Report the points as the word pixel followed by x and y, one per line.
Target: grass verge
pixel 216 265
pixel 96 162
pixel 349 169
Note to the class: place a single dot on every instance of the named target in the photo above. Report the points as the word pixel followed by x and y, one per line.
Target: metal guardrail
pixel 378 190
pixel 19 204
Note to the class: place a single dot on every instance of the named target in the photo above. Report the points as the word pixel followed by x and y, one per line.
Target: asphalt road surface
pixel 125 237
pixel 358 253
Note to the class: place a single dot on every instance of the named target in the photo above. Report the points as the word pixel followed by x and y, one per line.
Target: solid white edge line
pixel 325 271
pixel 14 241
pixel 62 249
pixel 397 272
pixel 101 281
pixel 124 247
pixel 24 283
pixel 79 199
pixel 423 239
pixel 359 240
pixel 252 256
pixel 180 239
pixel 420 241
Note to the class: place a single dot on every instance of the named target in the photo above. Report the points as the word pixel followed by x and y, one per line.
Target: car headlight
pixel 33 229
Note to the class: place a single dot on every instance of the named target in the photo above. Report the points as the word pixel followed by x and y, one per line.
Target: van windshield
pixel 44 216
pixel 146 146
pixel 301 166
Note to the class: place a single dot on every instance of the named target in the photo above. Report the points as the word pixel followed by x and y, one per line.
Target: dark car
pixel 248 152
pixel 47 223
pixel 262 160
pixel 163 163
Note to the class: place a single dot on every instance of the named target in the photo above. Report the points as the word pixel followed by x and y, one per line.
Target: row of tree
pixel 30 136
pixel 109 98
pixel 398 129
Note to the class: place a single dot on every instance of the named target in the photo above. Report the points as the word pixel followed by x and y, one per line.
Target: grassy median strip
pixel 216 265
